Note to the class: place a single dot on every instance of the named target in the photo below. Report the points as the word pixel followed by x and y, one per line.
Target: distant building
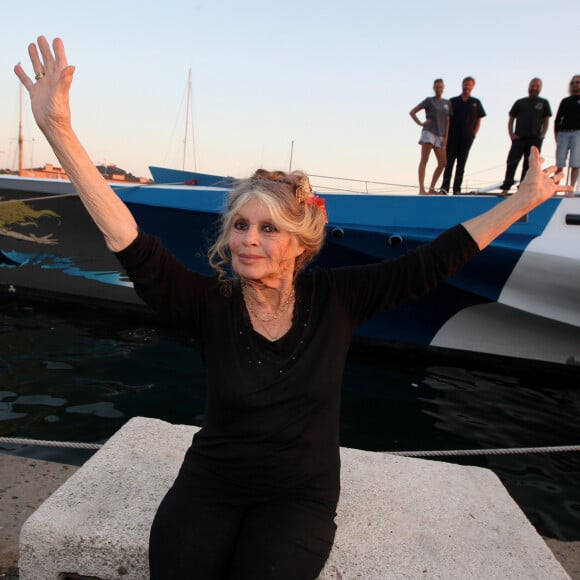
pixel 49 171
pixel 114 173
pixel 109 172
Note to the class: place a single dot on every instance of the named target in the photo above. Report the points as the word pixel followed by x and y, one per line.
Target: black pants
pixel 201 537
pixel 457 151
pixel 520 148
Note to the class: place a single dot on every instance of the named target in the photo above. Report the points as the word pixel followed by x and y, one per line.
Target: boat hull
pixel 9 183
pixel 518 298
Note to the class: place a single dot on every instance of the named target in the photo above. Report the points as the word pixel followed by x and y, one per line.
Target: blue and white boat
pixel 518 298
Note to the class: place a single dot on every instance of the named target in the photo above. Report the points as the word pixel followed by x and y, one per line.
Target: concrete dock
pixel 24 485
pixel 424 523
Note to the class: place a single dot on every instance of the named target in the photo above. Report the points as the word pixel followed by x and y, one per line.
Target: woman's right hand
pixel 49 97
pixel 49 93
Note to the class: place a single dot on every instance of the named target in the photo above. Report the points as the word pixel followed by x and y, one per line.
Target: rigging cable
pixel 433 453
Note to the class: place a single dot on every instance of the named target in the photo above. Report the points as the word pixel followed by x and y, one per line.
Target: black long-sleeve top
pixel 271 422
pixel 568 115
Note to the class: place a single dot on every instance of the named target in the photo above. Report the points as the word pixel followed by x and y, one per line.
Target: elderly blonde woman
pixel 258 488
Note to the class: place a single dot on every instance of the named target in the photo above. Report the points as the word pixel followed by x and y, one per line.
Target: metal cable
pixel 435 453
pixel 505 451
pixel 71 444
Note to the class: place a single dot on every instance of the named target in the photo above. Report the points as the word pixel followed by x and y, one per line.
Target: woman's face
pixel 260 251
pixel 438 88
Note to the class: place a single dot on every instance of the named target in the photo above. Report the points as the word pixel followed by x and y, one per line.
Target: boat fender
pixel 395 241
pixel 337 233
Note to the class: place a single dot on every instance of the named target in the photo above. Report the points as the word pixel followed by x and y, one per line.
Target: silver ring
pixel 39 75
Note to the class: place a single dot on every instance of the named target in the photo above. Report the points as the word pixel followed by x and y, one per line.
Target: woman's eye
pixel 269 228
pixel 240 225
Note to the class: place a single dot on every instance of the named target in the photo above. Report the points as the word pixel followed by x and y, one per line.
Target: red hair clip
pixel 320 203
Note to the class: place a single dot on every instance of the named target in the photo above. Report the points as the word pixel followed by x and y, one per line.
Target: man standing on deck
pixel 463 127
pixel 567 131
pixel 531 116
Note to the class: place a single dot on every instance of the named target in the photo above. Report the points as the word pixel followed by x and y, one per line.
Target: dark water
pixel 74 374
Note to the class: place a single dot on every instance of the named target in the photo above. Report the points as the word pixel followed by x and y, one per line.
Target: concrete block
pixel 398 517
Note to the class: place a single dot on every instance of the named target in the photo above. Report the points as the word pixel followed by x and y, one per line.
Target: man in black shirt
pixel 463 127
pixel 567 131
pixel 530 116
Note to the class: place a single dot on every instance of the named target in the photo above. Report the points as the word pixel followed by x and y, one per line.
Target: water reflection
pixel 493 410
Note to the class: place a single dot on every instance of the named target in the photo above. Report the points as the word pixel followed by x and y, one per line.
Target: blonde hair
pixel 285 196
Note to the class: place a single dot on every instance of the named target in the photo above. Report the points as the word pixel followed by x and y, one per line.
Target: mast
pixel 20 139
pixel 291 155
pixel 187 113
pixel 188 120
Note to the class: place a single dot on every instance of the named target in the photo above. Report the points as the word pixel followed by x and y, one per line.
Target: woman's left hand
pixel 540 184
pixel 537 186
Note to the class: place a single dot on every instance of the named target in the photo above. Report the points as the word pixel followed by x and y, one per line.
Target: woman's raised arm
pixel 537 186
pixel 49 97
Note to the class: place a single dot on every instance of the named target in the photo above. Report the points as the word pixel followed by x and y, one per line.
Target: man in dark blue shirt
pixel 531 116
pixel 464 125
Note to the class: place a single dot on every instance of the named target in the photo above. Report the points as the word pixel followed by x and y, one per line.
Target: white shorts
pixel 428 137
pixel 568 141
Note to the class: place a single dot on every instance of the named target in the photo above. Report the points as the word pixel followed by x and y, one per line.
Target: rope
pixel 70 444
pixel 438 453
pixel 48 197
pixel 359 180
pixel 507 451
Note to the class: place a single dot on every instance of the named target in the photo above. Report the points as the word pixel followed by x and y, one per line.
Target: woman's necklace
pixel 251 302
pixel 273 324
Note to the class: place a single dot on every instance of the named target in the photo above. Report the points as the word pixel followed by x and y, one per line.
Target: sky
pixel 325 86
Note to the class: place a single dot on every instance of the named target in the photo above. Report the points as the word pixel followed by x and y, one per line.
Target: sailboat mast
pixel 20 138
pixel 187 115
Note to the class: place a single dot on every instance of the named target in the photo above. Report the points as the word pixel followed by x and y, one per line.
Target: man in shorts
pixel 567 131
